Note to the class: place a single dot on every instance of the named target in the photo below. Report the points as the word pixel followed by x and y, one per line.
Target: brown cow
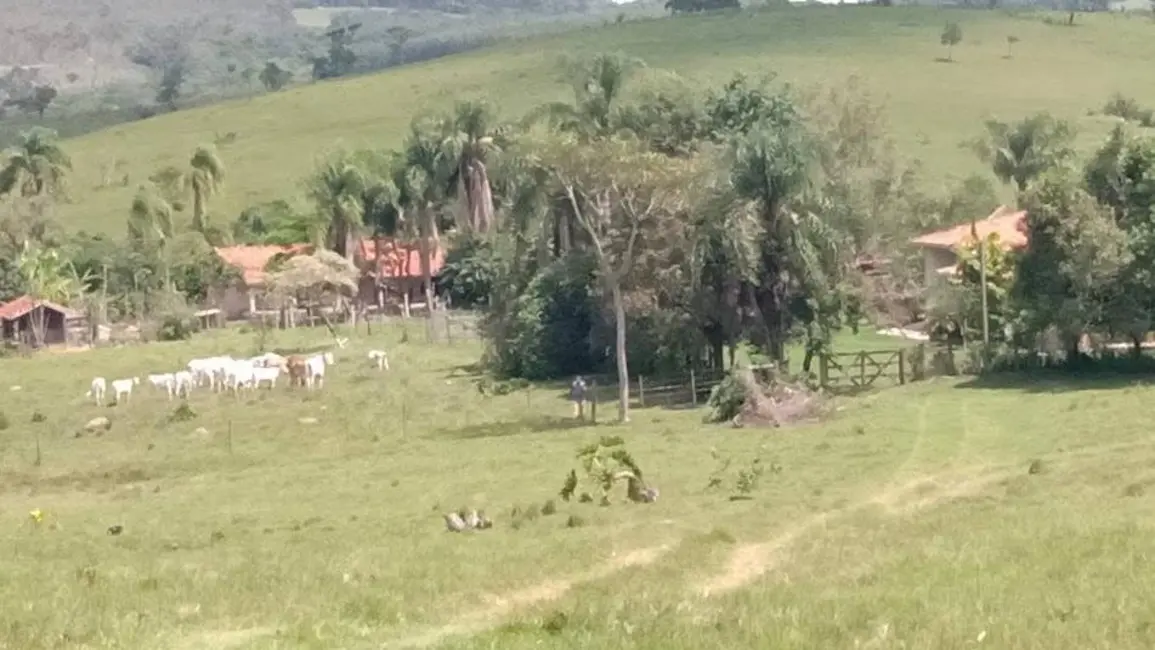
pixel 295 365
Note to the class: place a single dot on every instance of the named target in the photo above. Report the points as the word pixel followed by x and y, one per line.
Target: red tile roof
pixel 1009 224
pixel 24 304
pixel 252 260
pixel 398 259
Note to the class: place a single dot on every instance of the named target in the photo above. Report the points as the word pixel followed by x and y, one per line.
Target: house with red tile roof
pixel 19 317
pixel 391 271
pixel 245 296
pixel 940 248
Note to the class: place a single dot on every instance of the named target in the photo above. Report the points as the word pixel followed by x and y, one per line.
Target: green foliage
pixel 951 36
pixel 182 413
pixel 698 6
pixel 273 77
pixel 726 399
pixel 275 222
pixel 37 166
pixel 959 309
pixel 603 464
pixel 4 422
pixel 1022 151
pixel 1129 109
pixel 469 273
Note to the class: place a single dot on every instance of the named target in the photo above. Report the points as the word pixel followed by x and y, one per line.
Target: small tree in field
pixel 1011 40
pixel 951 36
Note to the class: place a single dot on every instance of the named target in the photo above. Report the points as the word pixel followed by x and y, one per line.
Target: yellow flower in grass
pixel 36 516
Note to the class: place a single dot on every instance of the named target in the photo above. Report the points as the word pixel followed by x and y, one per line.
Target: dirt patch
pixel 750 561
pixel 222 639
pixel 503 605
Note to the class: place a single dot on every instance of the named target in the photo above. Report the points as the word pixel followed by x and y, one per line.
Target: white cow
pixel 210 370
pixel 268 360
pixel 263 375
pixel 379 358
pixel 165 381
pixel 315 369
pixel 239 374
pixel 123 388
pixel 184 381
pixel 97 390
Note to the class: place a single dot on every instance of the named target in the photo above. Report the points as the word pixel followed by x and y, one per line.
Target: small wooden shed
pixel 61 324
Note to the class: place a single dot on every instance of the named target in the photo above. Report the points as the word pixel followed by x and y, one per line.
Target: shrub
pixel 726 400
pixel 37 416
pixel 3 421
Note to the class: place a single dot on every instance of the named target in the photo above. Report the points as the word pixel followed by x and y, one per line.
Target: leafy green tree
pixel 1021 151
pixel 624 198
pixel 598 84
pixel 273 77
pixel 37 166
pixel 951 36
pixel 277 222
pixel 150 226
pixel 167 52
pixel 1076 254
pixel 422 176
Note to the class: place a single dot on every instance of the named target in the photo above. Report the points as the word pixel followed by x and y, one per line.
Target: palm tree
pixel 150 220
pixel 1022 151
pixel 769 174
pixel 36 166
pixel 422 178
pixel 48 276
pixel 597 87
pixel 204 178
pixel 472 141
pixel 338 191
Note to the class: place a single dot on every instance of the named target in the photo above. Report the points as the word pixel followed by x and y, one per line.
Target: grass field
pixel 933 106
pixel 943 514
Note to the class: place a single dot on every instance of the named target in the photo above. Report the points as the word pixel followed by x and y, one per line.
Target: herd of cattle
pixel 228 374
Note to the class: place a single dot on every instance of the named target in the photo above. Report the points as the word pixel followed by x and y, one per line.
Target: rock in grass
pixel 96 425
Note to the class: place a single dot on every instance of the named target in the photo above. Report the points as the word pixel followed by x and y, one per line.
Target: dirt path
pixel 751 561
pixel 502 606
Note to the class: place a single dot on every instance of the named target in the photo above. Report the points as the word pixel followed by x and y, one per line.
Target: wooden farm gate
pixel 855 371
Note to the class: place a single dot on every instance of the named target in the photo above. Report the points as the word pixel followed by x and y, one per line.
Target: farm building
pixel 398 265
pixel 940 248
pixel 246 295
pixel 20 317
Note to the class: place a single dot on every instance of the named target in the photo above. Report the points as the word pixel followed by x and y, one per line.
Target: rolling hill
pixel 274 141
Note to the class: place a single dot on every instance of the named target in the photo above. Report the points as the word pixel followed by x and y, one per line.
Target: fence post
pixel 693 389
pixel 229 437
pixel 901 367
pixel 594 406
pixel 823 370
pixel 448 329
pixel 862 369
pixel 642 391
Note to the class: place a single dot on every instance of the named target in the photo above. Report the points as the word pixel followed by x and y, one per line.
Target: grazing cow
pixel 210 371
pixel 164 381
pixel 123 388
pixel 379 358
pixel 184 381
pixel 97 390
pixel 239 375
pixel 262 375
pixel 315 368
pixel 297 368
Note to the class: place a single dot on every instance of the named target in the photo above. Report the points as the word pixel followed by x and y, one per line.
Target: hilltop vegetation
pixel 932 107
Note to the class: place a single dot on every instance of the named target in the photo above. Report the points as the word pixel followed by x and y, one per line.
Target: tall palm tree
pixel 1020 152
pixel 338 191
pixel 422 177
pixel 36 166
pixel 770 173
pixel 204 178
pixel 150 221
pixel 473 140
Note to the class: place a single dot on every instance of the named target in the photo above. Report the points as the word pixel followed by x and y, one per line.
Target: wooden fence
pixel 857 371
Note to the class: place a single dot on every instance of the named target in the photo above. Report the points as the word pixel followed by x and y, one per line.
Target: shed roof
pixel 398 259
pixel 1009 224
pixel 24 304
pixel 252 260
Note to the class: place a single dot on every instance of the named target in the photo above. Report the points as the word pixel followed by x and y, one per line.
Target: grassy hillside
pixel 945 514
pixel 933 105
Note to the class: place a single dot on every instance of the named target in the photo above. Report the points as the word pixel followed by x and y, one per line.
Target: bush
pixel 176 328
pixel 3 421
pixel 726 400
